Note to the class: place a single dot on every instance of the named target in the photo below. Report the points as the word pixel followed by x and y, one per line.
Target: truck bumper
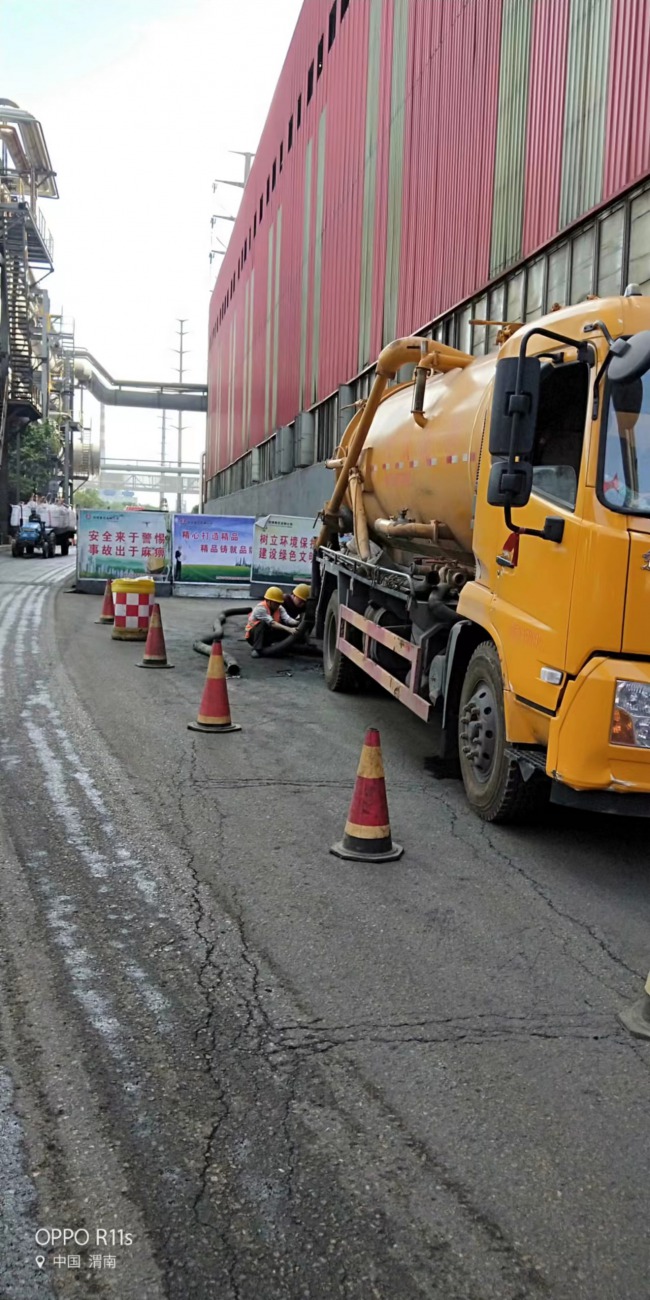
pixel 600 801
pixel 581 759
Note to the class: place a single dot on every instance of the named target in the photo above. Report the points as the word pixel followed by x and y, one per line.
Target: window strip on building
pixel 369 182
pixel 276 317
pixel 305 272
pixel 586 108
pixel 245 365
pixel 318 257
pixel 509 164
pixel 251 320
pixel 395 168
pixel 269 327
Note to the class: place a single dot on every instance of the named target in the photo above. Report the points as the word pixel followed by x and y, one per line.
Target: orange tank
pixel 427 473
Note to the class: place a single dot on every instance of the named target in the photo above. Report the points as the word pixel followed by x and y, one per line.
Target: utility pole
pixel 240 185
pixel 181 352
pixel 163 454
pixel 45 355
pixel 248 162
pixel 102 435
pixel 68 416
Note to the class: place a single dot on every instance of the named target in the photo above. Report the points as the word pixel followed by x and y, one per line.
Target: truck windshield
pixel 625 473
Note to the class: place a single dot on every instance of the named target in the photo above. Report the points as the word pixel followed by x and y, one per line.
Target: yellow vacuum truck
pixel 485 556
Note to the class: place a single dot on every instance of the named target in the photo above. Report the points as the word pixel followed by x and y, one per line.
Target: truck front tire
pixel 493 782
pixel 339 672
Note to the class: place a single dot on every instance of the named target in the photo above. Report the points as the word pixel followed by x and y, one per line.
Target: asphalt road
pixel 283 1075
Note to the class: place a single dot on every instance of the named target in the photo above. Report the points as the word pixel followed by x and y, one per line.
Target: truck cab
pixel 562 581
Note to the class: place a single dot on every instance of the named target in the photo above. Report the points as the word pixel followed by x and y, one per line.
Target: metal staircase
pixel 20 251
pixel 26 175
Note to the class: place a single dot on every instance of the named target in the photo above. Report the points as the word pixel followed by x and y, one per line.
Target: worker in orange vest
pixel 269 622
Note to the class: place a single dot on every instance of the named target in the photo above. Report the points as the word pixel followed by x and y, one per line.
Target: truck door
pixel 532 600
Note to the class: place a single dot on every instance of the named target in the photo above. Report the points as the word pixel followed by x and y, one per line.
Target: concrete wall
pixel 304 492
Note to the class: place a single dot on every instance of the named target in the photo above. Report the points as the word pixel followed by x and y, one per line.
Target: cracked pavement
pixel 286 1075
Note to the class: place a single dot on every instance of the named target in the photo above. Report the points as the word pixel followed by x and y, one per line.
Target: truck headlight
pixel 631 715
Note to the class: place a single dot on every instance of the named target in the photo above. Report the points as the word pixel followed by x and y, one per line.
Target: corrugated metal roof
pixel 507 215
pixel 585 107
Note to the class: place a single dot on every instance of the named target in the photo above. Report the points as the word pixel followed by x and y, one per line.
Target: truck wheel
pixel 65 546
pixel 17 550
pixel 339 672
pixel 51 548
pixel 493 782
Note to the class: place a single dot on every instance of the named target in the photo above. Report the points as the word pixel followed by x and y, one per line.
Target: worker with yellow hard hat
pixel 295 603
pixel 269 622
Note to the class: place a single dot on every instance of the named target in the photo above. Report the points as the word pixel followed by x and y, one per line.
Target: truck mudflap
pixel 620 803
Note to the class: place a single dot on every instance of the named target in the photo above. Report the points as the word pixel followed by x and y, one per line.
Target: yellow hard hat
pixel 302 591
pixel 274 593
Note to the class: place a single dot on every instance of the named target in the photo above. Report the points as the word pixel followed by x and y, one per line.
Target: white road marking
pixel 66 778
pixel 11 612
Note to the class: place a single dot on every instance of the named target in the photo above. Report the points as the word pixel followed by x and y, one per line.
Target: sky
pixel 141 102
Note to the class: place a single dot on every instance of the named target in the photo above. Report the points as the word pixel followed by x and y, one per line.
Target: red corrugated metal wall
pixel 432 107
pixel 344 79
pixel 627 150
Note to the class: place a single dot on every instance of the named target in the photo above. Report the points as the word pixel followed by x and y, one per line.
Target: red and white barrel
pixel 133 601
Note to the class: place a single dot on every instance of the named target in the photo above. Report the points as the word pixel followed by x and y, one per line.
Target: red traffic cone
pixel 108 609
pixel 636 1018
pixel 214 710
pixel 155 654
pixel 367 836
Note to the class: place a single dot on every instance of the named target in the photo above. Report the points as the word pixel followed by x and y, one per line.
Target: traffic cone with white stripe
pixel 108 609
pixel 367 836
pixel 155 652
pixel 636 1017
pixel 214 710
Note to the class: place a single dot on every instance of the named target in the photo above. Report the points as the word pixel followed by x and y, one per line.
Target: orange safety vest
pixel 252 622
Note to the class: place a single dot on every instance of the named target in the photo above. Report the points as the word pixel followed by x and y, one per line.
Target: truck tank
pixel 426 473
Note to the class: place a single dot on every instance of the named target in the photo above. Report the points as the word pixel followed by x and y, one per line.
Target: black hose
pixel 203 645
pixel 278 648
pixel 205 648
pixel 223 614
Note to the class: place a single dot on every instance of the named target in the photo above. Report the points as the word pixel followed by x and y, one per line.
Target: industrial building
pixel 425 164
pixel 26 258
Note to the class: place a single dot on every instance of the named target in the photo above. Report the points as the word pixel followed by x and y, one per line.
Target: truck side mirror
pixel 510 485
pixel 514 406
pixel 630 358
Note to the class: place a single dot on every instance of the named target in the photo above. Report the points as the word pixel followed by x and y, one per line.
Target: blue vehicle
pixel 34 536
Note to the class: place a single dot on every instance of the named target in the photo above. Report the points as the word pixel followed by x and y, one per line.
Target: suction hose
pixel 203 646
